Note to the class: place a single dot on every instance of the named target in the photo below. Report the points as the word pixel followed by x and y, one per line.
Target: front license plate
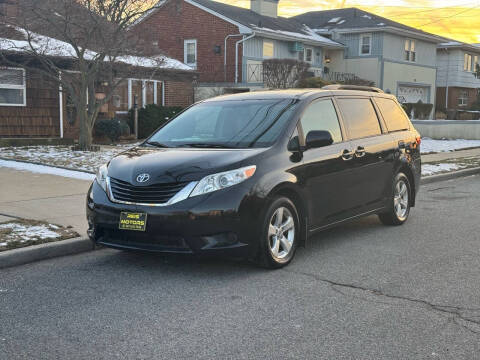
pixel 133 221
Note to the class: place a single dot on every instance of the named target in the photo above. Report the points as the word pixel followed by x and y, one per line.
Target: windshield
pixel 228 124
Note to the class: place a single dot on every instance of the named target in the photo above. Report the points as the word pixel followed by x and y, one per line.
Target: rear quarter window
pixel 393 115
pixel 360 117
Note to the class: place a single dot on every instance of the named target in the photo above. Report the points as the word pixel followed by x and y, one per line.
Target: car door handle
pixel 348 155
pixel 360 152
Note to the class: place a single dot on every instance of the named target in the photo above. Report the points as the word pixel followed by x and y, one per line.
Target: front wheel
pixel 280 234
pixel 399 203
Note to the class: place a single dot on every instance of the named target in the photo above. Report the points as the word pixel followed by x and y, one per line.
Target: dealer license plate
pixel 133 221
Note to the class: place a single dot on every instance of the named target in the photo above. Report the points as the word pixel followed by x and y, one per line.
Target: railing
pixel 340 76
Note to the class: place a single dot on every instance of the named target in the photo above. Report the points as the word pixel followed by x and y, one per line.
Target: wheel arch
pixel 405 168
pixel 291 192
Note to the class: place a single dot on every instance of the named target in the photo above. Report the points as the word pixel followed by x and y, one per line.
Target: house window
pixel 463 98
pixel 410 53
pixel 190 53
pixel 268 49
pixel 13 89
pixel 309 55
pixel 467 63
pixel 366 44
pixel 301 55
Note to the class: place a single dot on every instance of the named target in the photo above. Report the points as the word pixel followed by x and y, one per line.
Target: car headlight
pixel 223 180
pixel 102 173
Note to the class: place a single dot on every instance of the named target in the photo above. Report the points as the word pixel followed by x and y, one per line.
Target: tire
pixel 398 208
pixel 275 253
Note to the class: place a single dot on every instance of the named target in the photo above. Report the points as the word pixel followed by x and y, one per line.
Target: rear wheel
pixel 399 204
pixel 280 234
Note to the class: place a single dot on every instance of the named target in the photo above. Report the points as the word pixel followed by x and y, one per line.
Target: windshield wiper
pixel 156 144
pixel 206 146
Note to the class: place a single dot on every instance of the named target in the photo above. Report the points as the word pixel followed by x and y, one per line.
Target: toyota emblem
pixel 143 178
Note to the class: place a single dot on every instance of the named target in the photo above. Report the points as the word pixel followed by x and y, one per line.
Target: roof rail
pixel 352 87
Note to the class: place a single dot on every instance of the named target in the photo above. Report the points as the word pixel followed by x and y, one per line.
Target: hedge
pixel 151 118
pixel 111 128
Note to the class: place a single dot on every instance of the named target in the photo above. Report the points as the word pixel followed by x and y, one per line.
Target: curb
pixel 450 175
pixel 30 254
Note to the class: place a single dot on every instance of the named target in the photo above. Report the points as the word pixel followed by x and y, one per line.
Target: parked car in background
pixel 257 174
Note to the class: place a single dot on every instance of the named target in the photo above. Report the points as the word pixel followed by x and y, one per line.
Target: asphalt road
pixel 360 291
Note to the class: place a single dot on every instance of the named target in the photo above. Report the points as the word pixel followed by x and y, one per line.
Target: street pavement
pixel 57 199
pixel 358 291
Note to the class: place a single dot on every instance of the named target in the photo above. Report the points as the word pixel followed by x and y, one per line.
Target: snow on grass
pixel 22 233
pixel 63 155
pixel 41 169
pixel 433 169
pixel 436 146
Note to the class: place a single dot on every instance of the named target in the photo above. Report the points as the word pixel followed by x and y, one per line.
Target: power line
pixel 448 17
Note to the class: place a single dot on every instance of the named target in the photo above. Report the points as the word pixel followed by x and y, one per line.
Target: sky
pixel 457 19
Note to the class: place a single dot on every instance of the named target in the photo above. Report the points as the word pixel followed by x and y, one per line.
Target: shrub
pixel 421 111
pixel 151 117
pixel 111 128
pixel 283 73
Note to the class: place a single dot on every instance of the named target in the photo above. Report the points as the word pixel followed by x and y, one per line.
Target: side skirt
pixel 324 227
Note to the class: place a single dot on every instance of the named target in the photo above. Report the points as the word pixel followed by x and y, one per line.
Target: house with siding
pixel 399 59
pixel 227 44
pixel 458 84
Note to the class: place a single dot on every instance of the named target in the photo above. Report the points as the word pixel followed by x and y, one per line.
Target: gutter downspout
pixel 225 54
pixel 446 80
pixel 236 53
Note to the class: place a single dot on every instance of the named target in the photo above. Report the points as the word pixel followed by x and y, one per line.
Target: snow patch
pixel 41 169
pixel 432 169
pixel 43 45
pixel 28 233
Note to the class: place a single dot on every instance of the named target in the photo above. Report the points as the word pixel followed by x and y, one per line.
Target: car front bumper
pixel 220 222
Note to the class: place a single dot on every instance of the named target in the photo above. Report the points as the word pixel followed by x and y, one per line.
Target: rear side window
pixel 321 115
pixel 360 117
pixel 392 114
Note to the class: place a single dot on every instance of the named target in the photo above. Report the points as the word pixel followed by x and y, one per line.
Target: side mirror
pixel 318 139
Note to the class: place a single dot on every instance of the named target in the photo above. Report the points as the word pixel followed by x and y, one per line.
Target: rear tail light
pixel 418 139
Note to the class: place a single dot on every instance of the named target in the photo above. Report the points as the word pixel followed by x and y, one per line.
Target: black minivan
pixel 257 174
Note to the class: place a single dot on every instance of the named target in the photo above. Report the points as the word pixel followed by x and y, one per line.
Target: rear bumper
pixel 216 223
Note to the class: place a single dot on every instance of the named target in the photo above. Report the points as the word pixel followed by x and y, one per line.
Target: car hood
pixel 172 165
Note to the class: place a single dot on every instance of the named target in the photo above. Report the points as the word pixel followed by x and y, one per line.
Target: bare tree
pixel 83 45
pixel 283 73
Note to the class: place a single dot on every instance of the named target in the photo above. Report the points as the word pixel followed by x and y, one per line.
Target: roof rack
pixel 352 87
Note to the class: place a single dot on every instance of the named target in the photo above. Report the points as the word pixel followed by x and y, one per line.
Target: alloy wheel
pixel 400 200
pixel 281 233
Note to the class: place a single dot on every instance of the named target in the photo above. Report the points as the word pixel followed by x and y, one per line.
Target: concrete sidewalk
pixel 451 155
pixel 56 199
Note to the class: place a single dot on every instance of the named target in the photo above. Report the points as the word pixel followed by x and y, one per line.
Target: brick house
pixel 32 105
pixel 227 44
pixel 458 85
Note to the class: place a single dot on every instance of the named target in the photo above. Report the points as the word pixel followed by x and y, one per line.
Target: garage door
pixel 412 94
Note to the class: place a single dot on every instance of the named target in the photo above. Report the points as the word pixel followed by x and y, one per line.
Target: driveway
pixel 359 291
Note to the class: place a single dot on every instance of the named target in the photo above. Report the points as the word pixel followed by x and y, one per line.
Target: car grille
pixel 152 194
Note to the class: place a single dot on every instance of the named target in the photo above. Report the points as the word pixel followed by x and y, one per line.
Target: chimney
pixel 265 7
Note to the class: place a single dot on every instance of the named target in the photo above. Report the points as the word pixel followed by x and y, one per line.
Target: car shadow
pixel 317 245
